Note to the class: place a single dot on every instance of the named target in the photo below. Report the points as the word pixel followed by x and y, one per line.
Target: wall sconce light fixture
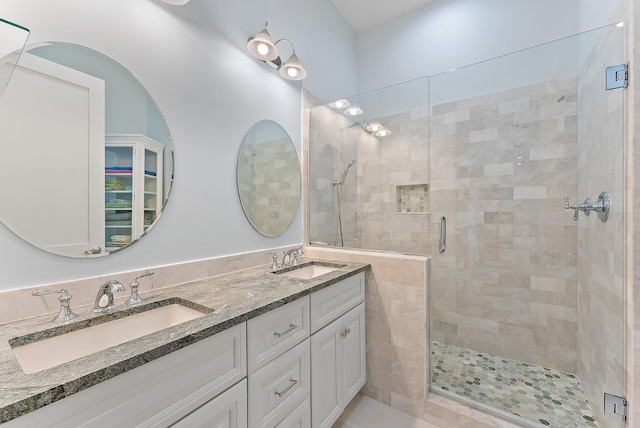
pixel 263 48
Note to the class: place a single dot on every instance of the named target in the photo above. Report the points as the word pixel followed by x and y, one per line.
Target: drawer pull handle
pixel 345 332
pixel 291 327
pixel 284 391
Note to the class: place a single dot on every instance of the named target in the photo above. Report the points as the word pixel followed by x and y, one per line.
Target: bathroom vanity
pixel 268 350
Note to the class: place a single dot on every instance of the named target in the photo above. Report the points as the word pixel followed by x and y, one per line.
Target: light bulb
pixel 375 128
pixel 292 71
pixel 263 49
pixel 339 104
pixel 383 133
pixel 354 110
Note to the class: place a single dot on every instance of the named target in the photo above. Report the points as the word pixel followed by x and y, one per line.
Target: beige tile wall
pixel 268 184
pixel 600 310
pixel 396 325
pixel 332 138
pixel 506 284
pixel 400 159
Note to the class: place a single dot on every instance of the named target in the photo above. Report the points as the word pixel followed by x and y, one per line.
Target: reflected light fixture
pixel 263 48
pixel 373 126
pixel 339 104
pixel 383 132
pixel 353 110
pixel 176 2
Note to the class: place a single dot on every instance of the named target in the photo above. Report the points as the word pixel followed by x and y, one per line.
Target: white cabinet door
pixel 228 410
pixel 52 165
pixel 326 370
pixel 352 336
pixel 338 366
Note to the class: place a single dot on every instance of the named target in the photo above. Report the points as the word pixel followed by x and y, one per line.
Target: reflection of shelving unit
pixel 133 187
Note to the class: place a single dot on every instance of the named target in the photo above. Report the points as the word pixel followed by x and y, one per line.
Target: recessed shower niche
pixel 412 199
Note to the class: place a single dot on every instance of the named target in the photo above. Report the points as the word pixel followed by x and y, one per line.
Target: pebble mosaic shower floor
pixel 548 397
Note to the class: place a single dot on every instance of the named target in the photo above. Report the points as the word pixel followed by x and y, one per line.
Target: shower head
pixel 344 174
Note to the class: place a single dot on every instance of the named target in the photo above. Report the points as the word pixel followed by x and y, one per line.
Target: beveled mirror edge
pixel 169 148
pixel 299 186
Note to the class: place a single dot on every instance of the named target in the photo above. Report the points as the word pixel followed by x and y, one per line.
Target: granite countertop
pixel 226 300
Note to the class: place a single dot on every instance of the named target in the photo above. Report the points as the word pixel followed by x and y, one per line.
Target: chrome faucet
pixel 294 252
pixel 104 299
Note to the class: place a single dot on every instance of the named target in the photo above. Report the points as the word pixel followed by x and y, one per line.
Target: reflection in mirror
pixel 88 161
pixel 12 40
pixel 269 178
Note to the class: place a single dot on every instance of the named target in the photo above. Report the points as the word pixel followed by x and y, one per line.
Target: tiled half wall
pixel 396 325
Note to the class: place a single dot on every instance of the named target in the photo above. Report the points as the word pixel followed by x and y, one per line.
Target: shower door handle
pixel 442 235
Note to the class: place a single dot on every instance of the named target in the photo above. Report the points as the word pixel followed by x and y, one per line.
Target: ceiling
pixel 365 14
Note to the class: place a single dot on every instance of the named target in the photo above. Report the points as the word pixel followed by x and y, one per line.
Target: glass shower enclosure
pixel 526 299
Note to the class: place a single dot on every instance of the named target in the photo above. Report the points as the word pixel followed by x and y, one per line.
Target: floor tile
pixel 548 397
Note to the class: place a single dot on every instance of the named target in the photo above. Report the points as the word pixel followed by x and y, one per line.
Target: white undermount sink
pixel 308 271
pixel 50 352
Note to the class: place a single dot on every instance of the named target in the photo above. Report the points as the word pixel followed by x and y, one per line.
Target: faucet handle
pixel 135 299
pixel 65 313
pixel 142 276
pixel 274 257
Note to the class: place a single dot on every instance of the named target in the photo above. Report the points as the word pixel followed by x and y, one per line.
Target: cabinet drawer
pixel 275 332
pixel 229 409
pixel 299 418
pixel 155 394
pixel 333 301
pixel 279 387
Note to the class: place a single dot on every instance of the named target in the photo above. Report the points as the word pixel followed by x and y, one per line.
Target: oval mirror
pixel 88 160
pixel 269 178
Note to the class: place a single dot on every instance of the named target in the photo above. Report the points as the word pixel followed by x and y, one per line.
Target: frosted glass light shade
pixel 261 46
pixel 292 69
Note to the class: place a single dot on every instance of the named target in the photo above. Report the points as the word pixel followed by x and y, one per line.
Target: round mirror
pixel 88 160
pixel 269 178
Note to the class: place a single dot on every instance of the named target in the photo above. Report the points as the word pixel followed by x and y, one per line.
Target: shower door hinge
pixel 617 76
pixel 615 406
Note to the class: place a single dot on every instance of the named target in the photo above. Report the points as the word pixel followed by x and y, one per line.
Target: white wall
pixel 194 62
pixel 448 34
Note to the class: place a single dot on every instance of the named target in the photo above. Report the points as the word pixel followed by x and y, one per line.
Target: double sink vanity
pixel 256 348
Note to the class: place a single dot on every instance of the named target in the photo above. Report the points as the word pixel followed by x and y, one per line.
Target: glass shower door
pixel 526 304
